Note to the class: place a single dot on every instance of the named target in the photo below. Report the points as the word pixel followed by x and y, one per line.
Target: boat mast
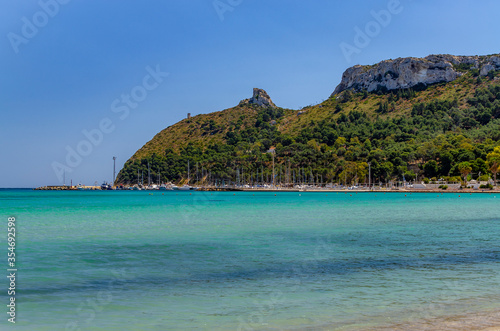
pixel 273 170
pixel 149 175
pixel 114 169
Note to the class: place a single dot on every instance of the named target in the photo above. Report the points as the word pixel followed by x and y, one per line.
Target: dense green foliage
pixel 440 138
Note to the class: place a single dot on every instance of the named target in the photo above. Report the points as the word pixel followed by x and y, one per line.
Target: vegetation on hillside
pixel 442 131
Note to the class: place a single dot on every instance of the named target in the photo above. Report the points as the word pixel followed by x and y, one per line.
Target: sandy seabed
pixel 484 321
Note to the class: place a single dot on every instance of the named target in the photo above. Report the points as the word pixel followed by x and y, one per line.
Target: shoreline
pixel 311 190
pixel 487 320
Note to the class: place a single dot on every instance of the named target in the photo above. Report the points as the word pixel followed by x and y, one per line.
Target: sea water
pixel 167 260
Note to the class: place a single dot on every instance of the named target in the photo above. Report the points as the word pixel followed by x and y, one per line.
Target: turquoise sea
pixel 138 260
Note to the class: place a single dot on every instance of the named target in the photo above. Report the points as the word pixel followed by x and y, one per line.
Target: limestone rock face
pixel 486 68
pixel 404 73
pixel 261 98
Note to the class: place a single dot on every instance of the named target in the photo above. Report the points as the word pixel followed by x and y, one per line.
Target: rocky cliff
pixel 404 73
pixel 261 98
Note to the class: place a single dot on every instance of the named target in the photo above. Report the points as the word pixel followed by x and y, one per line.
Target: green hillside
pixel 425 131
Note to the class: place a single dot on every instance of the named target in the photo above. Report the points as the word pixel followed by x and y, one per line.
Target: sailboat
pixel 187 187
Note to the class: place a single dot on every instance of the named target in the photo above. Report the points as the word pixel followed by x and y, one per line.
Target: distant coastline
pixel 312 190
pixel 16 188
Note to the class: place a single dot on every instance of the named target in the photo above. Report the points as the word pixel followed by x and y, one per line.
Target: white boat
pixel 81 187
pixel 187 188
pixel 164 187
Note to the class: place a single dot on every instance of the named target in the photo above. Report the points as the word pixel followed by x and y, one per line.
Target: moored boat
pixel 186 187
pixel 164 187
pixel 106 187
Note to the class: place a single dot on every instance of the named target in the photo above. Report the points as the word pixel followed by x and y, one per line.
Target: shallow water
pixel 133 260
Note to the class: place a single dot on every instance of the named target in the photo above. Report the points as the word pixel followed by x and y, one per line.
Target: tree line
pixel 440 139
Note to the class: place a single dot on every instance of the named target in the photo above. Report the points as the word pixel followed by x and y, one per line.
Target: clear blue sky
pixel 65 65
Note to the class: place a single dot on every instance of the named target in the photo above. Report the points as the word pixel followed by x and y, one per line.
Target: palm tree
pixel 465 169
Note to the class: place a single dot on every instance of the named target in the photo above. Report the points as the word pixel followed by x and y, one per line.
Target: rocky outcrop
pixel 260 98
pixel 404 73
